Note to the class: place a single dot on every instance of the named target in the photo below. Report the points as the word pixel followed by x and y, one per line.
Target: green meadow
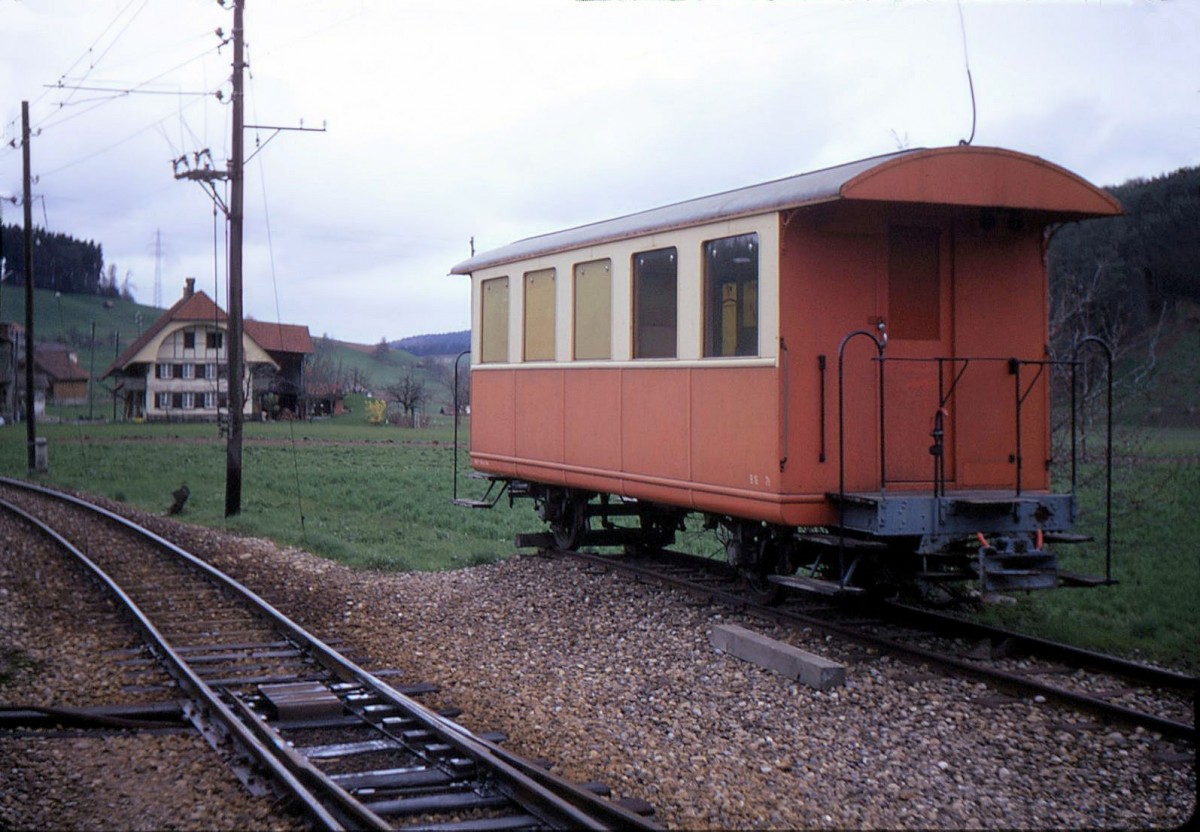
pixel 371 496
pixel 1153 611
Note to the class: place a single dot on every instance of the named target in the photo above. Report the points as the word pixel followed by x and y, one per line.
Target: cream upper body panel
pixel 562 266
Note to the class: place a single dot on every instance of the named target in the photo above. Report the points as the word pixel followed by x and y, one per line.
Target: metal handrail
pixel 879 343
pixel 1108 450
pixel 1021 393
pixel 944 396
pixel 457 359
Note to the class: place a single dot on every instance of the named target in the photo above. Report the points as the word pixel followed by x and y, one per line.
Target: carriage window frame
pixel 731 296
pixel 655 275
pixel 592 313
pixel 538 328
pixel 493 324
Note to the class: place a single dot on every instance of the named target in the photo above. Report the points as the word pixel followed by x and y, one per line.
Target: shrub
pixel 376 411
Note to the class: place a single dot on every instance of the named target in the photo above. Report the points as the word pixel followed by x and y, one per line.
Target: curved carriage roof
pixel 967 176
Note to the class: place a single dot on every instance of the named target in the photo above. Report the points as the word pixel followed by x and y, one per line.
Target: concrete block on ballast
pixel 784 659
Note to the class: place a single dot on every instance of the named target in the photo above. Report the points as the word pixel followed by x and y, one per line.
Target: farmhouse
pixel 177 369
pixel 57 376
pixel 66 381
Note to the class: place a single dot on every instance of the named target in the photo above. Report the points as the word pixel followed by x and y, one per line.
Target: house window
pixel 731 296
pixel 215 340
pixel 189 371
pixel 494 326
pixel 210 371
pixel 210 401
pixel 189 340
pixel 163 401
pixel 654 305
pixel 164 370
pixel 188 401
pixel 593 309
pixel 539 315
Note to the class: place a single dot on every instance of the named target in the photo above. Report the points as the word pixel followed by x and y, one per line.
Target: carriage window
pixel 494 326
pixel 731 296
pixel 654 306
pixel 914 283
pixel 539 315
pixel 593 309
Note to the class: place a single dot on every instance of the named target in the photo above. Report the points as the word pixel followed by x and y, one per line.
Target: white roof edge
pixel 801 189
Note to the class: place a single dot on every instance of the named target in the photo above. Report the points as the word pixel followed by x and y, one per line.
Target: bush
pixel 376 411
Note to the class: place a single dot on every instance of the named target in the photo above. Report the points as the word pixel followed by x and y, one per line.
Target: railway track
pixel 1106 686
pixel 339 743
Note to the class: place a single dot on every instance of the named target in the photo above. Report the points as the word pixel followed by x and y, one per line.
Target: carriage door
pixel 917 311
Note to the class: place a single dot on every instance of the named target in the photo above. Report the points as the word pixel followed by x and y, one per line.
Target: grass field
pixel 367 495
pixel 1154 609
pixel 378 496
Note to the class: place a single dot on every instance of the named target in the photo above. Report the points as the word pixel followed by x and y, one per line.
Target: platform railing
pixel 948 382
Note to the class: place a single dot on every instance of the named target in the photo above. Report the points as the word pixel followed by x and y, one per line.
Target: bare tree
pixel 409 393
pixel 442 371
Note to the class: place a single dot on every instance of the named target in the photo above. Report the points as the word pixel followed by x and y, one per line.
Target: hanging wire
pixel 216 313
pixel 962 26
pixel 262 179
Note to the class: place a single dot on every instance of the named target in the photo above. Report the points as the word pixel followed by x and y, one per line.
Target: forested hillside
pixel 60 262
pixel 1116 277
pixel 444 343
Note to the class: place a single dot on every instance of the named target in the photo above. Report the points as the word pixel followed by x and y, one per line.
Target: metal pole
pixel 1015 367
pixel 1108 450
pixel 92 371
pixel 30 425
pixel 233 462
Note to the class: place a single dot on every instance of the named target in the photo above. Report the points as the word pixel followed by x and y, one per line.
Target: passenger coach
pixel 846 372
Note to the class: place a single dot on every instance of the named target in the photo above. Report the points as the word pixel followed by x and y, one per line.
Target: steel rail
pixel 1047 648
pixel 1095 705
pixel 192 684
pixel 553 800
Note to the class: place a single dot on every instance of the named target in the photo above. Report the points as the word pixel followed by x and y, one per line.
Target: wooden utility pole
pixel 206 174
pixel 30 425
pixel 233 461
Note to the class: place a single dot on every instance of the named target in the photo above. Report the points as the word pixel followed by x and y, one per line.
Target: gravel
pixel 616 681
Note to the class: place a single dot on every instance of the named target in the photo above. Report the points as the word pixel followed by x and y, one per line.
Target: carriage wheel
pixel 757 553
pixel 757 576
pixel 571 526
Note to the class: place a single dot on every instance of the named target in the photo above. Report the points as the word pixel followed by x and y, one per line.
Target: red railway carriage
pixel 842 370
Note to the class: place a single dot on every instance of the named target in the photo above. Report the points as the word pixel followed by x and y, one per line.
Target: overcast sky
pixel 501 119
